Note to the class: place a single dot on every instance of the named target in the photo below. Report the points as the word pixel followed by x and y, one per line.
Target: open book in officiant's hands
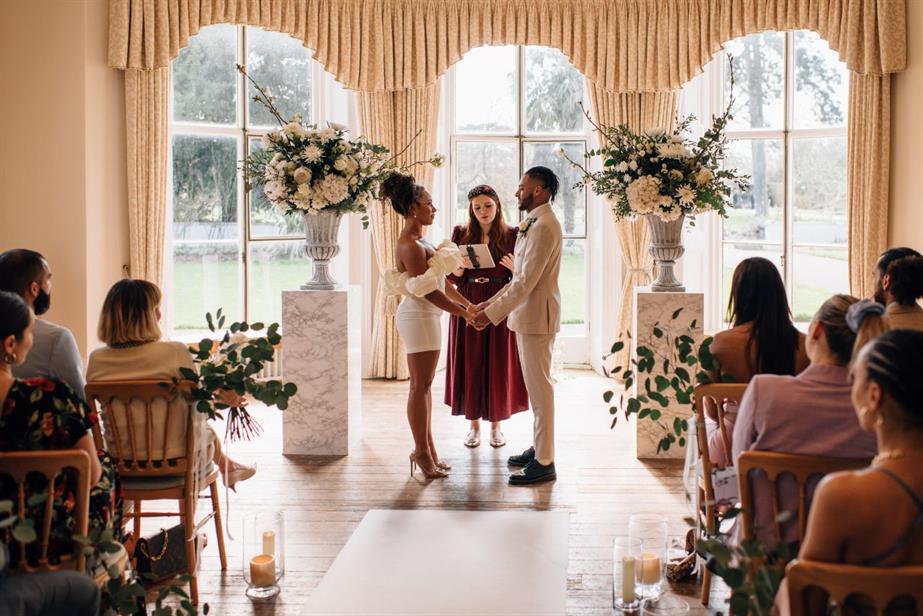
pixel 476 256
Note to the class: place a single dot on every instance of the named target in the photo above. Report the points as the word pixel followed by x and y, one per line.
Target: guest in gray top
pixel 812 413
pixel 54 353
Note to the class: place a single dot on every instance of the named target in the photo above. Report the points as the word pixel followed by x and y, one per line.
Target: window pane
pixel 554 89
pixel 485 90
pixel 572 282
pixel 204 77
pixel 818 273
pixel 756 214
pixel 274 267
pixel 266 220
pixel 732 255
pixel 204 187
pixel 570 204
pixel 205 277
pixel 282 65
pixel 494 163
pixel 821 83
pixel 759 80
pixel 819 190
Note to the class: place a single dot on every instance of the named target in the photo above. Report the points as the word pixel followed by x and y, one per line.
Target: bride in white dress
pixel 420 278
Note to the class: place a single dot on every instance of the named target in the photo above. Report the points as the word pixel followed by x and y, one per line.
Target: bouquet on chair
pixel 228 370
pixel 304 169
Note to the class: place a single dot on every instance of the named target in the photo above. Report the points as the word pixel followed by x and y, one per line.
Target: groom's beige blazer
pixel 532 300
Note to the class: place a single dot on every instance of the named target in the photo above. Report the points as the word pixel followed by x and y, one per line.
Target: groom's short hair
pixel 547 177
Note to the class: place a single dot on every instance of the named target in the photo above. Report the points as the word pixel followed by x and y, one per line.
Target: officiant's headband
pixel 483 189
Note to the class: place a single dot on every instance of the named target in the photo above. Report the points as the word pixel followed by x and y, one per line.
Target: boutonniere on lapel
pixel 525 225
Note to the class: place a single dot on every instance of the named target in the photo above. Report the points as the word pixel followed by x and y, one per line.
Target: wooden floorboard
pixel 599 482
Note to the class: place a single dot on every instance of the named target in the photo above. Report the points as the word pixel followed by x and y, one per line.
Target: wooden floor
pixel 599 482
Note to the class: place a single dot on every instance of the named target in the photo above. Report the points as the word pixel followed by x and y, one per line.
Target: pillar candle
pixel 628 579
pixel 263 570
pixel 650 568
pixel 269 543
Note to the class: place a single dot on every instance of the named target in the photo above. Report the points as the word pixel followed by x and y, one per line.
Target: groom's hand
pixel 480 320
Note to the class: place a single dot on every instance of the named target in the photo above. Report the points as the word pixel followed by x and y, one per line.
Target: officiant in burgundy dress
pixel 483 375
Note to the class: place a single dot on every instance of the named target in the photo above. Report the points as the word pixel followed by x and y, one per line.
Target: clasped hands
pixel 476 317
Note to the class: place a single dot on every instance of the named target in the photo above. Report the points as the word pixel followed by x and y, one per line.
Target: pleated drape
pixel 394 119
pixel 146 116
pixel 868 170
pixel 640 111
pixel 623 45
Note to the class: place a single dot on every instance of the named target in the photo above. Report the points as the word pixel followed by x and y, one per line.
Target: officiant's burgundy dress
pixel 483 374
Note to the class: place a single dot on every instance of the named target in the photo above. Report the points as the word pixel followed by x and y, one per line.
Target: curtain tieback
pixel 637 270
pixel 391 304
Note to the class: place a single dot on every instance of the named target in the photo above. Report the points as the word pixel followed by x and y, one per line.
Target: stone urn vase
pixel 320 244
pixel 666 248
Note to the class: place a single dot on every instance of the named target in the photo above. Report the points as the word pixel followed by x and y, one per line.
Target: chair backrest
pixel 18 465
pixel 804 470
pixel 713 394
pixel 147 426
pixel 880 585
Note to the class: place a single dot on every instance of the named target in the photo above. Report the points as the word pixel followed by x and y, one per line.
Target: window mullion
pixel 787 214
pixel 243 201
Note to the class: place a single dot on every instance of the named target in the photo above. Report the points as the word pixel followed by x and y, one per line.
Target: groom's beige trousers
pixel 535 357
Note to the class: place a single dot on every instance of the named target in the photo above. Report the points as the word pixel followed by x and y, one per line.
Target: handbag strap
pixel 163 550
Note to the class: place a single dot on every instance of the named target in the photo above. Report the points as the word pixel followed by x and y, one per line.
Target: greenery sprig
pixel 662 378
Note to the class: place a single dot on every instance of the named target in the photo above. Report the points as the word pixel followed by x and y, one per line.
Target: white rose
pixel 301 175
pixel 340 164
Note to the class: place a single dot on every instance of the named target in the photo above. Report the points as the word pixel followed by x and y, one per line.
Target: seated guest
pixel 762 339
pixel 810 413
pixel 54 354
pixel 44 414
pixel 898 285
pixel 887 392
pixel 128 324
pixel 49 593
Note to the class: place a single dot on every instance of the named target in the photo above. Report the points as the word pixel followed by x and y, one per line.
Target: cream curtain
pixel 868 168
pixel 146 120
pixel 623 45
pixel 640 111
pixel 394 119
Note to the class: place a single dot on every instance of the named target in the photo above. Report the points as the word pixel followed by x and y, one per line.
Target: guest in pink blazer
pixel 811 413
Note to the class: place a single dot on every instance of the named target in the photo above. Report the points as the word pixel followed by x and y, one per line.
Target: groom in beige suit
pixel 533 303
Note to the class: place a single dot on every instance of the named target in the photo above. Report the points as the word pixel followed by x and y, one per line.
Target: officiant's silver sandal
pixel 473 439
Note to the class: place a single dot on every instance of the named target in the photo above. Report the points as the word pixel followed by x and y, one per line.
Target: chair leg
pixel 706 585
pixel 219 525
pixel 137 519
pixel 187 510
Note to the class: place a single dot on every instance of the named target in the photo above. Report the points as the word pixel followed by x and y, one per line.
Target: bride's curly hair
pixel 402 191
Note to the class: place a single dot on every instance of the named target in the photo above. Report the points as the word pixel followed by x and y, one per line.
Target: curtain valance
pixel 622 45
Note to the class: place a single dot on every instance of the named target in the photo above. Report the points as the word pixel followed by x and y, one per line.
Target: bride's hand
pixel 507 261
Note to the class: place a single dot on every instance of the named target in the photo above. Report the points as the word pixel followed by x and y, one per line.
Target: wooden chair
pixel 18 465
pixel 142 460
pixel 803 469
pixel 880 585
pixel 708 517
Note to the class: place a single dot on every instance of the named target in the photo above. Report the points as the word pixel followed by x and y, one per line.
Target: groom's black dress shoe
pixel 534 473
pixel 522 459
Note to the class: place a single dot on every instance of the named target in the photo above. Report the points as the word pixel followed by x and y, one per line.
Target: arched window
pixel 229 248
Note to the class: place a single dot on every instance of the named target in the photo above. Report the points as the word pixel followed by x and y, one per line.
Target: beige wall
pixel 905 227
pixel 62 151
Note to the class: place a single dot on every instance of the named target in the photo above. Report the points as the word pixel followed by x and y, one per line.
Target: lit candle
pixel 650 568
pixel 263 570
pixel 269 543
pixel 628 579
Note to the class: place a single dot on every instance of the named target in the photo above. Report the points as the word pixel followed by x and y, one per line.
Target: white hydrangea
pixel 333 188
pixel 643 194
pixel 312 153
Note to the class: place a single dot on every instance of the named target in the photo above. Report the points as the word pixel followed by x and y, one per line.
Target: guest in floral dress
pixel 483 375
pixel 44 414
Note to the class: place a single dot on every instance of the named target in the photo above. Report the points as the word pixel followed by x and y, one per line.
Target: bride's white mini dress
pixel 417 319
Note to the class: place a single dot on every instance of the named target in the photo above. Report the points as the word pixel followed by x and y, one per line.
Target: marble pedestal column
pixel 321 347
pixel 648 309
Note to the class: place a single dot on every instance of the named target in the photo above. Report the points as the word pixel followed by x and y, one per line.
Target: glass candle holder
pixel 651 530
pixel 626 555
pixel 263 553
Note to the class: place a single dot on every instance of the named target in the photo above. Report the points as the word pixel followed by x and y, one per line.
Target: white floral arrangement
pixel 662 173
pixel 306 169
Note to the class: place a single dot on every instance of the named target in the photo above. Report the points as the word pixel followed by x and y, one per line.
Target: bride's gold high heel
pixel 430 473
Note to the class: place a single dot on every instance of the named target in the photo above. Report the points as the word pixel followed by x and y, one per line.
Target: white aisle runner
pixel 449 562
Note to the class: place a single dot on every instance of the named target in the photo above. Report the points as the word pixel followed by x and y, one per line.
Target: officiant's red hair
pixel 498 236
